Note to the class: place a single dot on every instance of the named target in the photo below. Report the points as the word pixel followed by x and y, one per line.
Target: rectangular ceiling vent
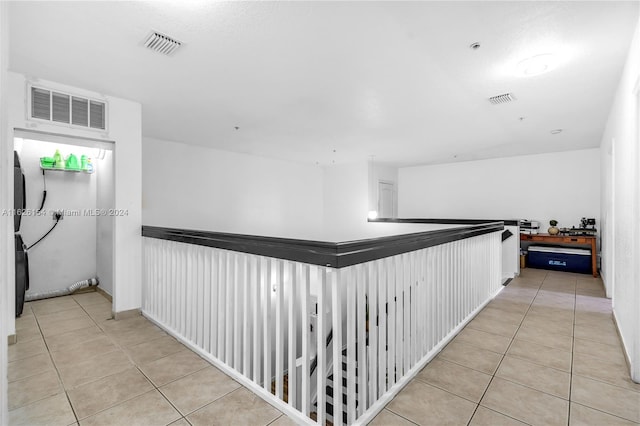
pixel 162 43
pixel 502 99
pixel 66 108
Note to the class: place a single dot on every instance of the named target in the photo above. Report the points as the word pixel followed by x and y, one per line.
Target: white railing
pixel 260 318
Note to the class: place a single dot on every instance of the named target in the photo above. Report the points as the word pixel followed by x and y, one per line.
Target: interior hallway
pixel 545 351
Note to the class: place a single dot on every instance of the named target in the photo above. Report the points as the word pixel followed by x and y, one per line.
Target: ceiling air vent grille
pixel 502 99
pixel 162 43
pixel 67 109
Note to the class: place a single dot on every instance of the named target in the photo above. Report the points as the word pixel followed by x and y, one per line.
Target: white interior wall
pixel 105 200
pixel 125 129
pixel 7 324
pixel 564 186
pixel 68 253
pixel 192 187
pixel 346 200
pixel 620 205
pixel 348 197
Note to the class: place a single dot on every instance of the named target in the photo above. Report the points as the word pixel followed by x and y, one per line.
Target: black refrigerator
pixel 22 261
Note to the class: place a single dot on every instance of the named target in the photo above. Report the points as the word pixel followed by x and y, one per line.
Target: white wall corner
pixel 126 131
pixel 7 321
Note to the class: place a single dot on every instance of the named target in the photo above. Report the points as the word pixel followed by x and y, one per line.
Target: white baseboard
pixel 625 351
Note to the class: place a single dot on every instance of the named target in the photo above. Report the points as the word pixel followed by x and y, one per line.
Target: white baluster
pixel 293 321
pixel 349 280
pixel 266 284
pixel 247 314
pixel 222 299
pixel 363 367
pixel 305 312
pixel 256 286
pixel 383 306
pixel 336 310
pixel 279 293
pixel 321 369
pixel 238 283
pixel 406 329
pixel 230 302
pixel 392 306
pixel 372 284
pixel 208 311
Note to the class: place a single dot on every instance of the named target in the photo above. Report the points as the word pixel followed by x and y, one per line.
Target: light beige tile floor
pixel 72 365
pixel 544 352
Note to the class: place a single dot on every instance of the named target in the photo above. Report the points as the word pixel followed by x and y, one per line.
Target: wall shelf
pixel 53 169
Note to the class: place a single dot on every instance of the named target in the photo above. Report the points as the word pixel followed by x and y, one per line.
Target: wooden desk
pixel 582 240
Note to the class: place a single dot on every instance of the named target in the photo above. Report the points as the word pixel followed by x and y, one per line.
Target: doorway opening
pixel 386 199
pixel 65 232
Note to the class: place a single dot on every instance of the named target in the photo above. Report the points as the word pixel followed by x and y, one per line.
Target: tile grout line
pixel 399 415
pixel 134 364
pixel 573 346
pixel 503 356
pixel 66 391
pixel 606 383
pixel 208 403
pixel 64 388
pixel 274 420
pixel 155 387
pixel 605 412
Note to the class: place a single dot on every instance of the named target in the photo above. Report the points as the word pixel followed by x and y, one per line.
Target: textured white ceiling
pixel 304 79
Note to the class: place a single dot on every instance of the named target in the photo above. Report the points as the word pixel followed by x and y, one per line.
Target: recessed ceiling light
pixel 536 65
pixel 556 131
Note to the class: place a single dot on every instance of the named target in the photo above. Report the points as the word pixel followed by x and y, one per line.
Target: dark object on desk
pixel 579 232
pixel 588 223
pixel 587 227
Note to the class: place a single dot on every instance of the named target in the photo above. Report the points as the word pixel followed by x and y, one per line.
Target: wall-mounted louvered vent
pixel 502 99
pixel 65 108
pixel 162 43
pixel 80 108
pixel 60 107
pixel 40 104
pixel 96 115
